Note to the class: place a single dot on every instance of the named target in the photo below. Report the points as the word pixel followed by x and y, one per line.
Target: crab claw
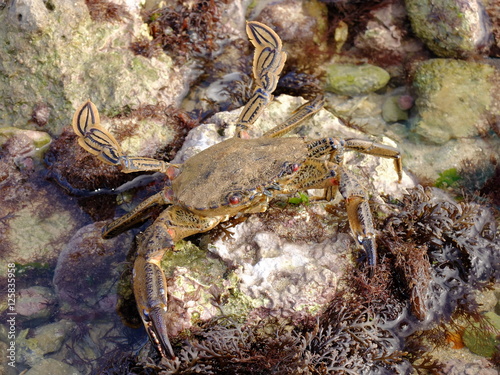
pixel 150 290
pixel 155 325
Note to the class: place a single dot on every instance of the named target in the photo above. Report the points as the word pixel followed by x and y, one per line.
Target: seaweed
pixel 184 29
pixel 106 11
pixel 433 254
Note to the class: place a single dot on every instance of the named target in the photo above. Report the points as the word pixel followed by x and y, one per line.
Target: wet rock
pixel 7 366
pixel 33 344
pixel 35 303
pixel 385 38
pixel 74 59
pixel 454 99
pixel 301 26
pixel 392 111
pixel 428 161
pixel 280 272
pixel 26 146
pixel 195 280
pixel 451 28
pixel 461 367
pixel 87 270
pixel 37 219
pixel 349 79
pixel 53 367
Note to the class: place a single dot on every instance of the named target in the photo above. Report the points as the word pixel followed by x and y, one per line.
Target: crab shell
pixel 228 176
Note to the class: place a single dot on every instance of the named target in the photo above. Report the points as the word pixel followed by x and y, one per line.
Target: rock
pixel 35 303
pixel 349 79
pixel 385 38
pixel 8 366
pixel 451 28
pixel 194 279
pixel 52 367
pixel 476 367
pixel 454 99
pixel 302 27
pixel 75 59
pixel 37 220
pixel 288 261
pixel 87 270
pixel 391 110
pixel 33 344
pixel 26 146
pixel 29 15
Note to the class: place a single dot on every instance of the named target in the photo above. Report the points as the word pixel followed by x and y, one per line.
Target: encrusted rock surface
pixel 451 28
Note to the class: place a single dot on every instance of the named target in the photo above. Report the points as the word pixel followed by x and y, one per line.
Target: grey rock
pixel 87 270
pixel 29 15
pixel 35 303
pixel 33 344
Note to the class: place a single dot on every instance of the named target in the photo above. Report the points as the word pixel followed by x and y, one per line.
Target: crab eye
pixel 294 167
pixel 234 198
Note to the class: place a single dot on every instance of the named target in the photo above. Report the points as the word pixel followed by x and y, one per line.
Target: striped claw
pixel 93 137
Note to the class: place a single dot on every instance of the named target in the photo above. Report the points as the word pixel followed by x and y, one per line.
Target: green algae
pixel 350 79
pixel 453 97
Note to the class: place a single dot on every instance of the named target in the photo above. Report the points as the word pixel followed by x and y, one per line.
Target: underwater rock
pixel 35 303
pixel 385 40
pixel 301 26
pixel 483 340
pixel 37 219
pixel 53 367
pixel 451 28
pixel 462 367
pixel 76 58
pixel 454 99
pixel 87 270
pixel 349 79
pixel 392 111
pixel 26 146
pixel 34 344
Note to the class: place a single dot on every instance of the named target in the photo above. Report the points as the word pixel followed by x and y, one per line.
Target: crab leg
pixel 138 215
pixel 150 284
pixel 359 215
pixel 376 149
pixel 268 63
pixel 98 141
pixel 298 116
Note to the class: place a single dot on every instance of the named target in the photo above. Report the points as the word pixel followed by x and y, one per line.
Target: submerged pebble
pixel 35 303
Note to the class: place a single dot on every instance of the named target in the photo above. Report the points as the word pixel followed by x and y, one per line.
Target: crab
pixel 238 176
